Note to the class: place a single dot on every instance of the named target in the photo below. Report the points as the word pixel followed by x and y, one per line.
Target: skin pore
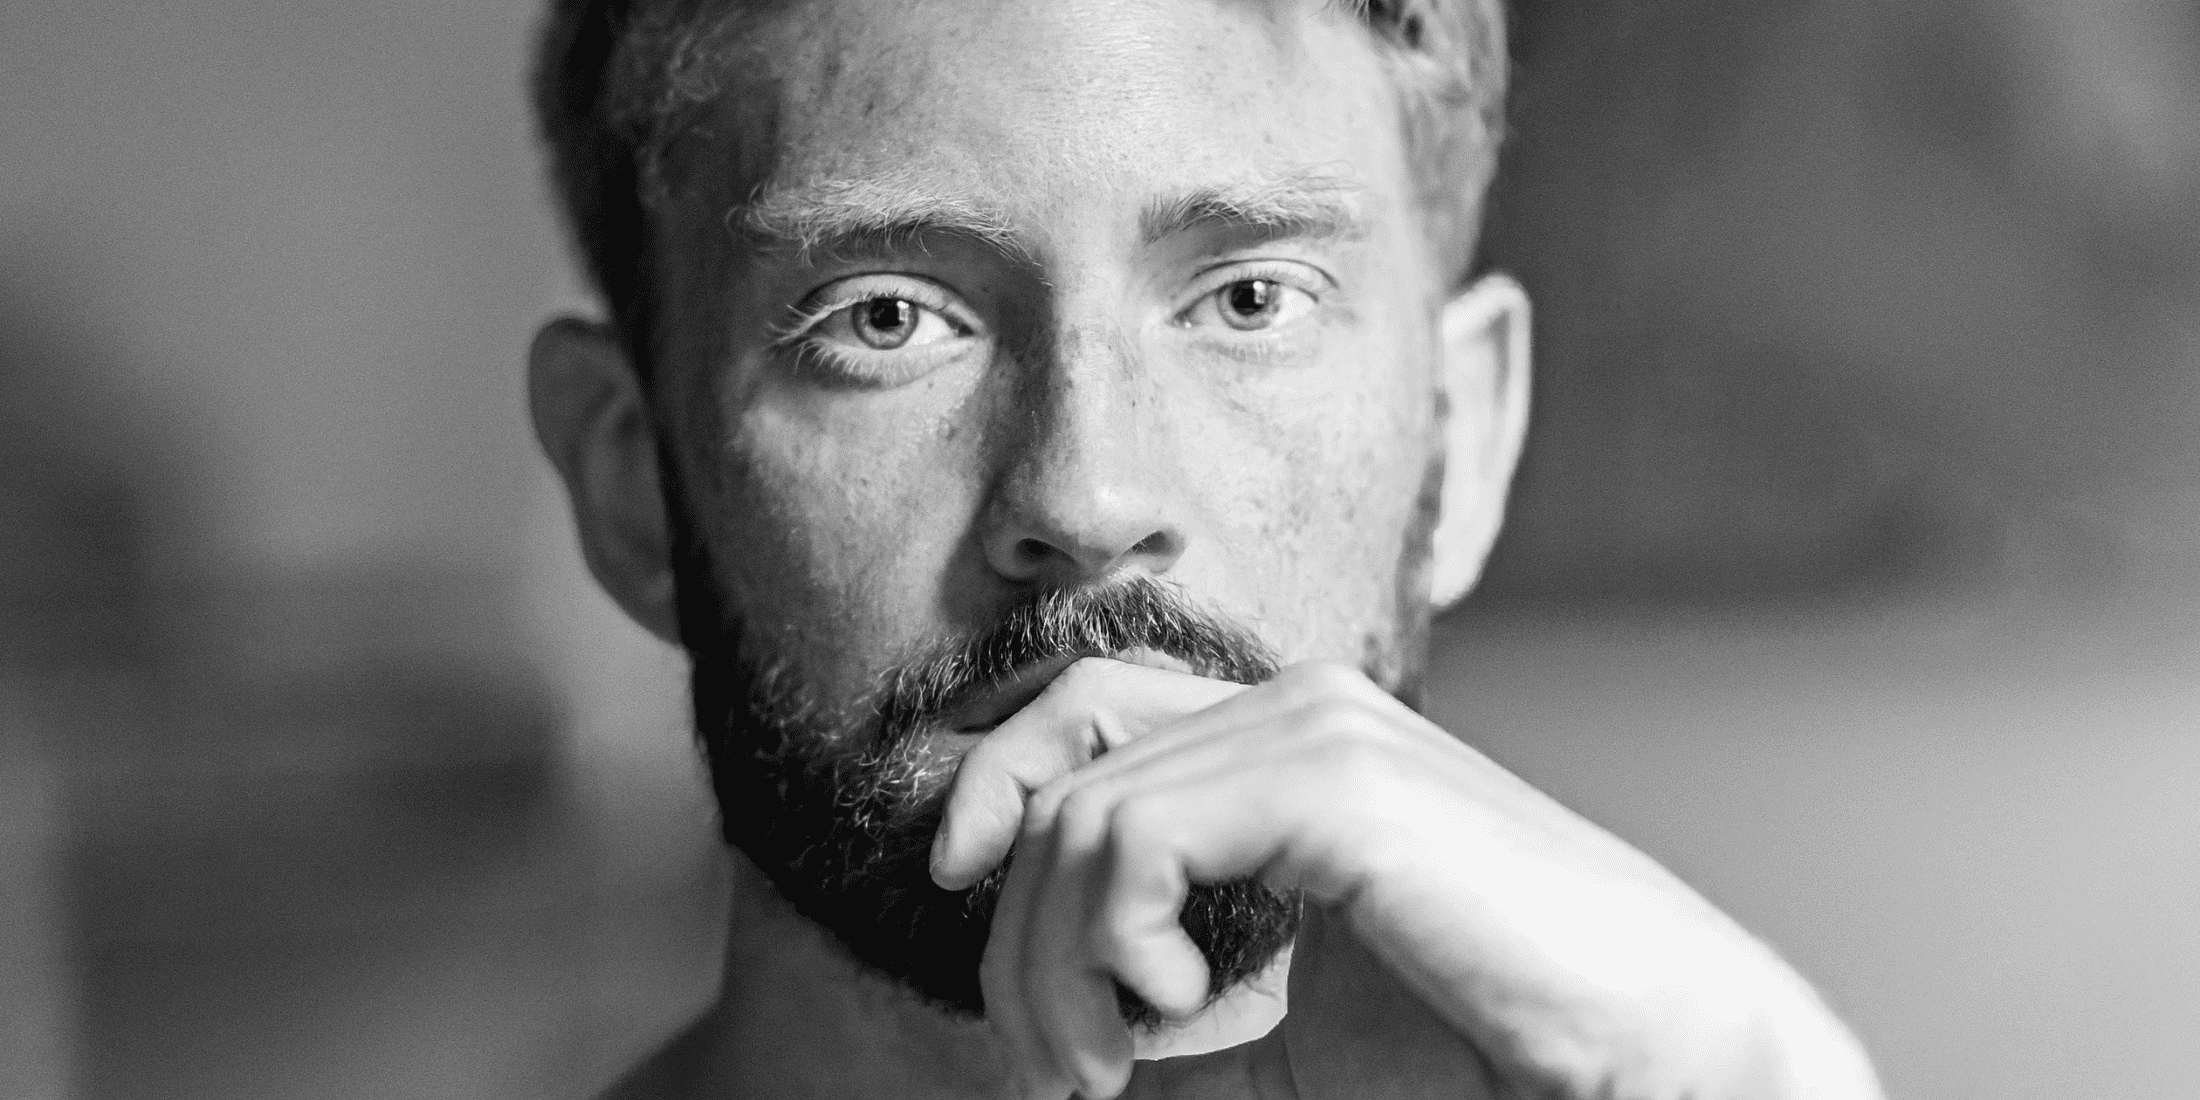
pixel 960 302
pixel 1066 217
pixel 1071 403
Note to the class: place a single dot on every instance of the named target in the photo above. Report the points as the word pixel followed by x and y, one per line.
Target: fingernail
pixel 939 855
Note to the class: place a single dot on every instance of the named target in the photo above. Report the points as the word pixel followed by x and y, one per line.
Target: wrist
pixel 1793 1047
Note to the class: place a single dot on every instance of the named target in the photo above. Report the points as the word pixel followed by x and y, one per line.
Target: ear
pixel 1484 379
pixel 594 425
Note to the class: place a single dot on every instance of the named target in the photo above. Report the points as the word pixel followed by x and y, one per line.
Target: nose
pixel 1091 487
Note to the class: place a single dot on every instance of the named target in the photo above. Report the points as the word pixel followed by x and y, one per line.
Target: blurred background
pixel 1854 569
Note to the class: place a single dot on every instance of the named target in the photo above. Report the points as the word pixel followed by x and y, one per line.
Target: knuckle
pixel 1085 805
pixel 1142 824
pixel 1109 938
pixel 1103 731
pixel 1358 763
pixel 1327 677
pixel 1085 674
pixel 1045 807
pixel 1340 718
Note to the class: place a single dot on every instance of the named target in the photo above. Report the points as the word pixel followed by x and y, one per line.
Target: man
pixel 1048 425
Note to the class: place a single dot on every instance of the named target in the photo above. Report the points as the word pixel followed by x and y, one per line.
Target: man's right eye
pixel 886 323
pixel 1259 298
pixel 879 330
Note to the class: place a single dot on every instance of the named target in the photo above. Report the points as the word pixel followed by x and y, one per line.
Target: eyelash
pixel 840 364
pixel 814 310
pixel 795 333
pixel 1213 280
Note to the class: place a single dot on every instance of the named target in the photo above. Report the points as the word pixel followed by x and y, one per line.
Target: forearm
pixel 1768 1036
pixel 1797 1049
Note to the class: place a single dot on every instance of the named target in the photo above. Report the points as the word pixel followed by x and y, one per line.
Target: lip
pixel 1013 694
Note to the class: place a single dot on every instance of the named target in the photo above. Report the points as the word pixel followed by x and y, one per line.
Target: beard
pixel 839 805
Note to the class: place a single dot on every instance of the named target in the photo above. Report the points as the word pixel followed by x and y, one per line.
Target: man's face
pixel 991 334
pixel 1134 287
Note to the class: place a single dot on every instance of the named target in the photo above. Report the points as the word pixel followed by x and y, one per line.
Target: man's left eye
pixel 885 323
pixel 1250 305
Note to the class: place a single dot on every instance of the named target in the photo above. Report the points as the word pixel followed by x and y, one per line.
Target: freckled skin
pixel 1082 409
pixel 849 524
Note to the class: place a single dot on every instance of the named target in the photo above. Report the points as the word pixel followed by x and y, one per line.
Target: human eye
pixel 1254 297
pixel 878 330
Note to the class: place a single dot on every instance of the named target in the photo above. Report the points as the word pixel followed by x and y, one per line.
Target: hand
pixel 1458 918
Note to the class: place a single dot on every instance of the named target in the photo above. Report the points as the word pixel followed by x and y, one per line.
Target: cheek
pixel 832 535
pixel 1342 463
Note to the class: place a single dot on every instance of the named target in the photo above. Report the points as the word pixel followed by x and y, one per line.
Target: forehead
pixel 1060 112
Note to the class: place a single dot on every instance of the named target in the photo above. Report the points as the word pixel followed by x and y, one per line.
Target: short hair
pixel 615 81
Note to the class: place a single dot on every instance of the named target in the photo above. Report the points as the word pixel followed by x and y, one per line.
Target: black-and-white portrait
pixel 1032 549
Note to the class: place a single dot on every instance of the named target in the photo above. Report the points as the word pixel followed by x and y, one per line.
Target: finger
pixel 1312 774
pixel 1293 706
pixel 1123 919
pixel 985 805
pixel 1278 703
pixel 1094 706
pixel 1071 959
pixel 1141 939
pixel 1209 830
pixel 1231 791
pixel 1001 971
pixel 1072 994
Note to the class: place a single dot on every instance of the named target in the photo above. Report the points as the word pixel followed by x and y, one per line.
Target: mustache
pixel 1137 612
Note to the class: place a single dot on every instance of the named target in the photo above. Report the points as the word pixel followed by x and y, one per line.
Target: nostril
pixel 1152 545
pixel 1070 560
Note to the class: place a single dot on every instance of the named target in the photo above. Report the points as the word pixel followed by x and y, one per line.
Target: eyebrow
pixel 882 215
pixel 1309 203
pixel 869 216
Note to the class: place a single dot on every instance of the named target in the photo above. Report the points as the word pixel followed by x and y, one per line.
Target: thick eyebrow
pixel 868 217
pixel 1312 204
pixel 883 215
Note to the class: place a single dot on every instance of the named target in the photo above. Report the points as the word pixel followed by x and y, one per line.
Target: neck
pixel 797 1016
